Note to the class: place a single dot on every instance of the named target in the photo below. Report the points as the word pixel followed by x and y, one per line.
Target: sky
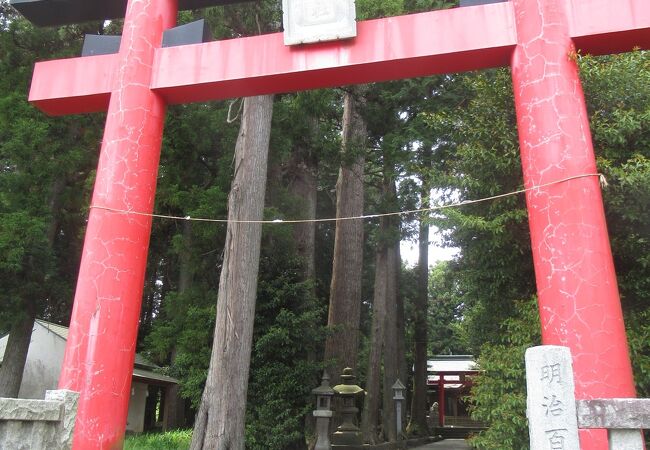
pixel 409 250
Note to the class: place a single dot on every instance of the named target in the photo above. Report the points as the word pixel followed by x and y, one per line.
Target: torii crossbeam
pixel 578 294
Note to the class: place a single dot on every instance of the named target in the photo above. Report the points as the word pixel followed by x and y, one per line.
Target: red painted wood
pixel 391 48
pixel 385 49
pixel 601 27
pixel 100 349
pixel 74 85
pixel 576 282
pixel 441 401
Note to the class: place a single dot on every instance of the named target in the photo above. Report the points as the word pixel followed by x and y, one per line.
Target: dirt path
pixel 447 444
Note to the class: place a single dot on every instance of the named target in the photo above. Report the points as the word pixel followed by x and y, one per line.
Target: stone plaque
pixel 551 405
pixel 307 21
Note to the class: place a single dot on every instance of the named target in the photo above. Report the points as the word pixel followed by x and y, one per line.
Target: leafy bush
pixel 499 395
pixel 288 333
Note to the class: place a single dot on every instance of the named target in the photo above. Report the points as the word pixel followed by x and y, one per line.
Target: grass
pixel 172 440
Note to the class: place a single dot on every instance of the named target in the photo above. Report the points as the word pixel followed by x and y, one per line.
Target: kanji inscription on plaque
pixel 307 21
pixel 551 407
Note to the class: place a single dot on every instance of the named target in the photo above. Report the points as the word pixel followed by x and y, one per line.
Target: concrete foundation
pixel 27 424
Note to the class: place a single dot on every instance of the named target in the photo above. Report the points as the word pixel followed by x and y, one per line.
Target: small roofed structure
pixel 449 380
pixel 43 367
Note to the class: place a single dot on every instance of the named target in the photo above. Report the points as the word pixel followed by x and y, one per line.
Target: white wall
pixel 3 345
pixel 43 365
pixel 135 419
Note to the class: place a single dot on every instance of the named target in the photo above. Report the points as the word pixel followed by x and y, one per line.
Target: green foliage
pixel 446 312
pixel 194 178
pixel 288 336
pixel 242 19
pixel 26 255
pixel 369 9
pixel 186 326
pixel 638 331
pixel 495 266
pixel 44 166
pixel 171 440
pixel 499 395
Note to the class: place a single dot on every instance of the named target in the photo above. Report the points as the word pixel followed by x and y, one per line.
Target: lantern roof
pixel 324 388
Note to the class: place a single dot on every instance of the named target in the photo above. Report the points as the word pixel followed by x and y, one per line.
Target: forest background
pixel 426 142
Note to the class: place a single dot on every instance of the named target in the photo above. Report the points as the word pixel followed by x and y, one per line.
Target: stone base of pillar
pixel 38 424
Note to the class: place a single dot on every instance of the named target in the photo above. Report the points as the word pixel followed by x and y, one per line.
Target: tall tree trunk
pixel 372 401
pixel 341 346
pixel 174 413
pixel 303 185
pixel 385 336
pixel 402 367
pixel 13 364
pixel 400 319
pixel 220 420
pixel 391 356
pixel 418 425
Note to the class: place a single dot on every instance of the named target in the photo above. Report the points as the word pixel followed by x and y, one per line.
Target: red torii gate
pixel 578 295
pixel 464 378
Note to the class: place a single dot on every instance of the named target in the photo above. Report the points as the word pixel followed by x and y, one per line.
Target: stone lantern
pixel 398 397
pixel 348 433
pixel 323 413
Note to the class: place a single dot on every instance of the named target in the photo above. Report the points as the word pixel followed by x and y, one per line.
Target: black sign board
pixel 100 45
pixel 191 33
pixel 62 12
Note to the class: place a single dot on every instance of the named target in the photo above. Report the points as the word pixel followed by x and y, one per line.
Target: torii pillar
pixel 101 343
pixel 576 282
pixel 578 297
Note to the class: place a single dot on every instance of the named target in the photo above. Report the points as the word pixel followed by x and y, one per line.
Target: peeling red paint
pixel 101 342
pixel 576 282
